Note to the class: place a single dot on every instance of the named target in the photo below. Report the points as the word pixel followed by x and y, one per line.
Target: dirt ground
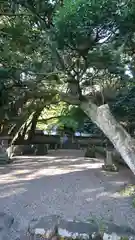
pixel 66 184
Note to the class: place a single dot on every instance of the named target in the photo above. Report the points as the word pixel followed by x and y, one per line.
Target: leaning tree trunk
pixel 121 140
pixel 34 123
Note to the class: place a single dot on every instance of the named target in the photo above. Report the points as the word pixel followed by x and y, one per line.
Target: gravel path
pixel 66 184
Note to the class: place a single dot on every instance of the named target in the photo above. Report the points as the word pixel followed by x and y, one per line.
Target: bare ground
pixel 66 184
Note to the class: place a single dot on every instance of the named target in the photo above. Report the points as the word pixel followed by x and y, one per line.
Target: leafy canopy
pixel 49 46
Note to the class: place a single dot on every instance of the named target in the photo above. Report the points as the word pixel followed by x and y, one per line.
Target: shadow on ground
pixel 66 184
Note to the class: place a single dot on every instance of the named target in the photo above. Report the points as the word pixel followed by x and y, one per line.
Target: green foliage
pixel 103 32
pixel 124 105
pixel 78 20
pixel 46 43
pixel 62 116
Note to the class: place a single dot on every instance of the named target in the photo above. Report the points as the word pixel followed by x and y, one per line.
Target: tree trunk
pixel 34 123
pixel 121 140
pixel 20 126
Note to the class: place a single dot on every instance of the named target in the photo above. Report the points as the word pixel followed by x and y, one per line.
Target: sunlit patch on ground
pixel 67 184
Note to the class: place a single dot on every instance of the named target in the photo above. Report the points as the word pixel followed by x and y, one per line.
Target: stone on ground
pixel 6 222
pixel 3 156
pixel 50 227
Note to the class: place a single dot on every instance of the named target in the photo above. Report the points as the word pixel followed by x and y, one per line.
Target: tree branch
pixel 69 99
pixel 15 14
pixel 48 119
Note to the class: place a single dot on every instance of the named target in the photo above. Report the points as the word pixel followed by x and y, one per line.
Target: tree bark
pixel 17 129
pixel 34 122
pixel 121 140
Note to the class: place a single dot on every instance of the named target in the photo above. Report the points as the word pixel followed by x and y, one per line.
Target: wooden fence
pixel 55 139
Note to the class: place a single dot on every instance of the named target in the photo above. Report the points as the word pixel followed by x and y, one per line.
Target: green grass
pixel 128 191
pixel 124 238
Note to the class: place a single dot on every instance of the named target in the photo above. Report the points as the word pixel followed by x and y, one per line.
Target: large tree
pixel 25 77
pixel 96 42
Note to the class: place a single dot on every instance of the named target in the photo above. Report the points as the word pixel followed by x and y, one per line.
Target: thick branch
pixel 34 122
pixel 15 14
pixel 69 99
